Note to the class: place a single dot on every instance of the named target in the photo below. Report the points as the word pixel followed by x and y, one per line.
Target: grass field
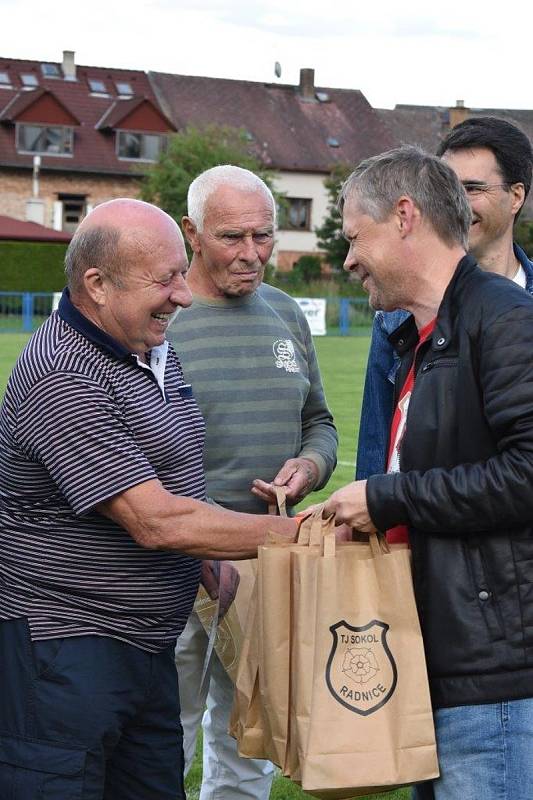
pixel 342 363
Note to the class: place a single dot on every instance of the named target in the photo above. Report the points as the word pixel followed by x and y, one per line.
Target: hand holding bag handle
pixel 280 506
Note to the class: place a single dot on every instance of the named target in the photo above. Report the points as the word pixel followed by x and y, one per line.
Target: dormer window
pixel 133 146
pixel 51 140
pixel 124 89
pixel 5 80
pixel 50 70
pixel 97 86
pixel 29 79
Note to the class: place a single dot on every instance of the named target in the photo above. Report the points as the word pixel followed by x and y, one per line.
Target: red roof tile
pixel 18 231
pixel 287 132
pixel 121 111
pixel 94 150
pixel 24 102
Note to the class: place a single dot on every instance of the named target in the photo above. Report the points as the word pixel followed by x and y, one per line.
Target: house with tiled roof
pixel 72 137
pixel 299 132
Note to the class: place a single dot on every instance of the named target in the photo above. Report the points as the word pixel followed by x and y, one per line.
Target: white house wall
pixel 306 185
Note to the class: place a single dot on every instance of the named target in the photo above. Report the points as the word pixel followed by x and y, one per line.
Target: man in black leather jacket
pixel 460 467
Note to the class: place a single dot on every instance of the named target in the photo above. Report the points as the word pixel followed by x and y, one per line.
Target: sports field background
pixel 342 364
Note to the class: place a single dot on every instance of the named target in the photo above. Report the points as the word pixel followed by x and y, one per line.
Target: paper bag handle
pixel 313 529
pixel 378 544
pixel 281 502
pixel 321 527
pixel 307 532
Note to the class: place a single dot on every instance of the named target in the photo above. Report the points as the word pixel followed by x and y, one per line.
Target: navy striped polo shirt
pixel 81 421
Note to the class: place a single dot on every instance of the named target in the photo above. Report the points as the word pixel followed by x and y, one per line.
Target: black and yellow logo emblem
pixel 361 673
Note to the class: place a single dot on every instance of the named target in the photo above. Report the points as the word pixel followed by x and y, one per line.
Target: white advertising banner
pixel 314 309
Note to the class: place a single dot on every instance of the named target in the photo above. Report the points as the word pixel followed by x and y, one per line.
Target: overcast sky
pixel 413 51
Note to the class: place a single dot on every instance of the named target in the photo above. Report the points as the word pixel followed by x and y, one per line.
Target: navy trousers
pixel 87 718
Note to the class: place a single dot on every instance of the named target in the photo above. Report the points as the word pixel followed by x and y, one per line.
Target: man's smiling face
pixel 139 308
pixel 490 198
pixel 371 254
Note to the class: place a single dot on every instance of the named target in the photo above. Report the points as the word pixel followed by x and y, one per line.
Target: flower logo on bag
pixel 360 665
pixel 361 672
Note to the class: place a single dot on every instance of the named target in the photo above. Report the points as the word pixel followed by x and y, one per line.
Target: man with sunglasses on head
pixel 493 159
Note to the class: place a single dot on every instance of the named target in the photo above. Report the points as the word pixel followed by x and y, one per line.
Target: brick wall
pixel 16 188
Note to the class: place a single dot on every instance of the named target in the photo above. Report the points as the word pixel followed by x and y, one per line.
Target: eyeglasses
pixel 475 189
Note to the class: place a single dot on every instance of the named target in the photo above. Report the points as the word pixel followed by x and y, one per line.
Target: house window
pixel 124 88
pixel 97 86
pixel 295 214
pixel 29 79
pixel 55 141
pixel 50 70
pixel 5 80
pixel 73 209
pixel 139 146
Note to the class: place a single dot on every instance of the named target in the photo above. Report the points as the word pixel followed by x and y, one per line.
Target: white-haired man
pixel 247 350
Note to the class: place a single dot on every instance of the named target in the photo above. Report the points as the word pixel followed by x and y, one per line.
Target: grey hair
pixel 98 247
pixel 207 182
pixel 379 182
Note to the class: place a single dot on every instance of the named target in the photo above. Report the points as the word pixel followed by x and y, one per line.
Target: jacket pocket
pixel 485 597
pixel 32 769
pixel 451 361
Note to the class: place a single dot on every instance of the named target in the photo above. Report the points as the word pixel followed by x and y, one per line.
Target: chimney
pixel 69 67
pixel 458 113
pixel 307 85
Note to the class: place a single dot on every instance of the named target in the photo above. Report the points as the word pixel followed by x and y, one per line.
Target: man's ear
pixel 191 234
pixel 94 285
pixel 406 214
pixel 518 196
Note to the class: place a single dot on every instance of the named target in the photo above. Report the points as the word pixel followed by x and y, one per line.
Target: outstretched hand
pixel 298 475
pixel 349 506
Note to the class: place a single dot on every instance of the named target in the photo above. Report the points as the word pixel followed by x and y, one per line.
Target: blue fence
pixel 23 312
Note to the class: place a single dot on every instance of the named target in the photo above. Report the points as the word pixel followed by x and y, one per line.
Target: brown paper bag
pixel 229 635
pixel 370 725
pixel 304 567
pixel 247 722
pixel 275 626
pixel 304 576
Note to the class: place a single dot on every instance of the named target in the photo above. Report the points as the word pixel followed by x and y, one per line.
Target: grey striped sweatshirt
pixel 254 373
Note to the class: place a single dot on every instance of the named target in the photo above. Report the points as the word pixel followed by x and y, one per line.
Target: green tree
pixel 307 268
pixel 329 234
pixel 189 153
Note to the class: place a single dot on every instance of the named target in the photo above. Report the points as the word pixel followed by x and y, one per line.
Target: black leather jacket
pixel 466 488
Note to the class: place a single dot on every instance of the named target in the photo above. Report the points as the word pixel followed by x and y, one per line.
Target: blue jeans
pixel 485 753
pixel 87 718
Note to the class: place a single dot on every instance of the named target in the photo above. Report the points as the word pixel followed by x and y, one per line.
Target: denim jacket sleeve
pixel 376 412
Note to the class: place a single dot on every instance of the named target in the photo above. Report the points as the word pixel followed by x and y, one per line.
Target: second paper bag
pixel 370 722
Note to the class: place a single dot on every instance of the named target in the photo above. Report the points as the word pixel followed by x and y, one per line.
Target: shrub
pixel 32 266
